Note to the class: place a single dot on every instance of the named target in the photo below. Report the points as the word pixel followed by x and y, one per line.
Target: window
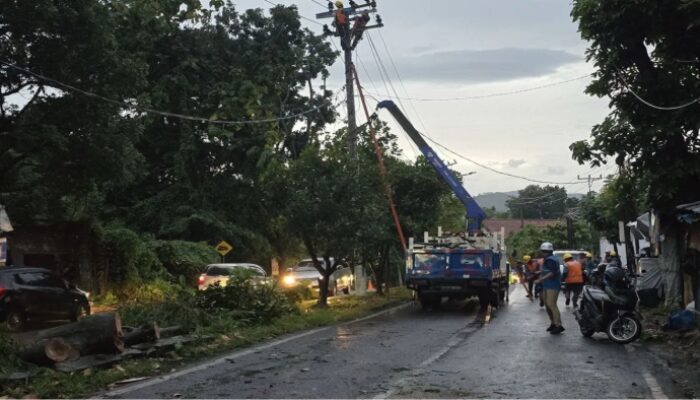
pixel 429 261
pixel 40 279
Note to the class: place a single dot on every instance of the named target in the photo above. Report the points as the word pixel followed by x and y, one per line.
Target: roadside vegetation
pixel 223 319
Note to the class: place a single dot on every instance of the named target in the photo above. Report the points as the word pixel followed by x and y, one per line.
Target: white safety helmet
pixel 546 246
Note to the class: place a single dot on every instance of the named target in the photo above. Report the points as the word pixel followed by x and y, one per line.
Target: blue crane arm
pixel 474 213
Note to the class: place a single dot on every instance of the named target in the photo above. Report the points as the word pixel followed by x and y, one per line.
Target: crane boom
pixel 474 214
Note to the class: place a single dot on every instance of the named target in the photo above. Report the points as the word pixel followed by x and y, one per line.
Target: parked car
pixel 219 274
pixel 305 273
pixel 36 293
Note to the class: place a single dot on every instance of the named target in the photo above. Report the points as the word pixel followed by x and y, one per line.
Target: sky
pixel 446 49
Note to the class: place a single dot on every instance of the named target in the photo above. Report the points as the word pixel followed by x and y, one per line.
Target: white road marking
pixel 656 391
pixel 242 353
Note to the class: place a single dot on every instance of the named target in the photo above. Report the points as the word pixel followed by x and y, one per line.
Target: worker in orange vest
pixel 342 25
pixel 573 279
pixel 532 271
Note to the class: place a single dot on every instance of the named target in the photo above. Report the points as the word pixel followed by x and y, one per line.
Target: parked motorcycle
pixel 611 308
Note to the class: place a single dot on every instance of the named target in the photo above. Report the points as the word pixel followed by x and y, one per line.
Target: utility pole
pixel 590 180
pixel 350 23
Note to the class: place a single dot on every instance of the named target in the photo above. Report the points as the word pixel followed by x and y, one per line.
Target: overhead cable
pixel 128 106
pixel 494 170
pixel 490 95
pixel 652 105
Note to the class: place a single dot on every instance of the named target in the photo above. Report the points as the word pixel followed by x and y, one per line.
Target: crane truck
pixel 468 264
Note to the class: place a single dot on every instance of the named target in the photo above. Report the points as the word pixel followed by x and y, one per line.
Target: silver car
pixel 219 274
pixel 305 273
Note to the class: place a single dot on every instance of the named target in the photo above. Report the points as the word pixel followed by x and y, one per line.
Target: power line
pixel 128 106
pixel 652 105
pixel 495 170
pixel 524 201
pixel 497 94
pixel 382 69
pixel 320 4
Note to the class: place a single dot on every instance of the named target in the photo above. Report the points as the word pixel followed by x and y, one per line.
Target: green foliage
pixel 642 47
pixel 130 256
pixel 537 202
pixel 299 293
pixel 67 157
pixel 9 362
pixel 451 214
pixel 529 239
pixel 185 259
pixel 250 300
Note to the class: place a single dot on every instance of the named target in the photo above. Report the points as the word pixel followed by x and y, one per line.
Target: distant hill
pixel 498 199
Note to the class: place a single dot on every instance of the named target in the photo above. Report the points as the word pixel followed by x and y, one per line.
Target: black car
pixel 36 293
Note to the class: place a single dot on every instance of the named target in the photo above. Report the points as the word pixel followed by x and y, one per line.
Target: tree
pixel 319 210
pixel 536 202
pixel 529 239
pixel 613 204
pixel 646 54
pixel 71 158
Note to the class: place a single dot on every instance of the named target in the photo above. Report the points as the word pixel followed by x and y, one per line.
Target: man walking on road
pixel 573 279
pixel 551 283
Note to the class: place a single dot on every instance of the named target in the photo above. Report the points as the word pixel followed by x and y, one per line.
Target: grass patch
pixel 225 333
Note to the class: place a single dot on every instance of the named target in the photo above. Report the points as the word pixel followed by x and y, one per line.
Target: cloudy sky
pixel 445 49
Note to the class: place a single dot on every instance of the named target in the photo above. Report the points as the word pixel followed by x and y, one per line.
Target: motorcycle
pixel 613 312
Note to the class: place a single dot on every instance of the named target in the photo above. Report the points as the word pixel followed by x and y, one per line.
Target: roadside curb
pixel 244 352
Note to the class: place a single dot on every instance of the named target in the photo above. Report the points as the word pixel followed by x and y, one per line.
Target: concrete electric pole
pixel 590 180
pixel 350 23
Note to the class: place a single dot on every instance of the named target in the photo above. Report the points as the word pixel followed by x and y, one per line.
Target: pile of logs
pixel 98 340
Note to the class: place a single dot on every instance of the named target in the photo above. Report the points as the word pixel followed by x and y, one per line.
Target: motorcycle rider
pixel 573 279
pixel 551 283
pixel 587 262
pixel 614 260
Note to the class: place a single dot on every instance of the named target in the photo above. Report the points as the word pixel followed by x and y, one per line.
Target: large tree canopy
pixel 651 48
pixel 538 202
pixel 66 156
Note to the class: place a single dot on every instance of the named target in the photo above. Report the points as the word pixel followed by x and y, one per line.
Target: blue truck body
pixel 457 269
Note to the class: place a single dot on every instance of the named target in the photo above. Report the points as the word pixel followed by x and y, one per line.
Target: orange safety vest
pixel 575 274
pixel 340 17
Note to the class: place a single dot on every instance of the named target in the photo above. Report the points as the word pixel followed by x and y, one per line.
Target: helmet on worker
pixel 613 253
pixel 547 249
pixel 526 258
pixel 568 256
pixel 339 4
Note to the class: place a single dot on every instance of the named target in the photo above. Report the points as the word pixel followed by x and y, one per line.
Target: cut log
pixel 147 333
pixel 95 334
pixel 48 351
pixel 170 331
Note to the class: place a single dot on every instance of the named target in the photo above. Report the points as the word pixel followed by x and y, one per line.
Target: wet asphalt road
pixel 412 353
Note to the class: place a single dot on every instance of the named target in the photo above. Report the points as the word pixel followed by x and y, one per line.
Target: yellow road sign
pixel 223 248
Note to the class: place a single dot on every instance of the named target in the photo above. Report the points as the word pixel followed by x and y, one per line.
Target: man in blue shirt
pixel 551 284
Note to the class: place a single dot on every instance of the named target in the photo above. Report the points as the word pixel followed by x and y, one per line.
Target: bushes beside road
pixel 223 318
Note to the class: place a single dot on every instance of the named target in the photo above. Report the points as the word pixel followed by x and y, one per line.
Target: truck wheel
pixel 424 301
